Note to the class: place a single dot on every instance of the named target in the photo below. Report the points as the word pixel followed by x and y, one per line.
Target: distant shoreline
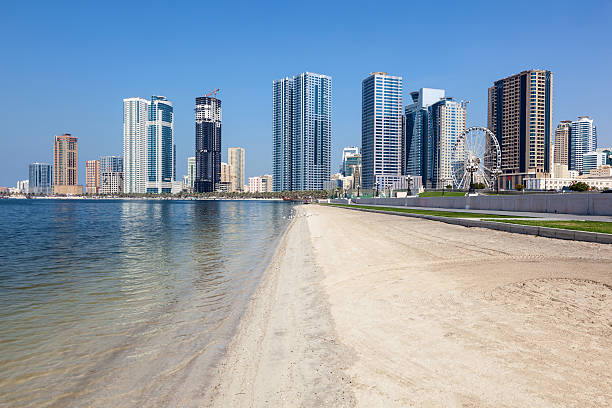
pixel 145 198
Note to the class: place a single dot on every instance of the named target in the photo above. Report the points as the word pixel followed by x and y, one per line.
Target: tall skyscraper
pixel 301 121
pixel 207 144
pixel 235 157
pixel 65 165
pixel 135 116
pixel 414 145
pixel 191 166
pixel 562 142
pixel 446 122
pixel 92 176
pixel 520 116
pixel 583 139
pixel 41 178
pixel 381 130
pixel 111 163
pixel 161 166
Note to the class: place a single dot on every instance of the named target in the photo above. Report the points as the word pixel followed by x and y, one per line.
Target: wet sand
pixel 362 309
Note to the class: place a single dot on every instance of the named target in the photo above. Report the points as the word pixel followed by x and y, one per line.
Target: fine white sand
pixel 362 309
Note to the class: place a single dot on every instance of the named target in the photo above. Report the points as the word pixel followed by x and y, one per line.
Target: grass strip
pixel 589 226
pixel 440 194
pixel 448 214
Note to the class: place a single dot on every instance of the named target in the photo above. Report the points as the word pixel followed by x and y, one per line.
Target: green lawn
pixel 449 214
pixel 439 194
pixel 590 226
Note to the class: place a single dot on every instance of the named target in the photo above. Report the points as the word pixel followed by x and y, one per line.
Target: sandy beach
pixel 362 309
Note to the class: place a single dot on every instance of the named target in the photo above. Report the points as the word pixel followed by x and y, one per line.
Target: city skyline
pixel 466 71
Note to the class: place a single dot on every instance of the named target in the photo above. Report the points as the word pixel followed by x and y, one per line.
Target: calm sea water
pixel 124 303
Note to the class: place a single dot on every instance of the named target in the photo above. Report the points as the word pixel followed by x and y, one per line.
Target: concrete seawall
pixel 580 203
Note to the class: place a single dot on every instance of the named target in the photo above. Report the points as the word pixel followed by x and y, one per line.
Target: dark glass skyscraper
pixel 207 144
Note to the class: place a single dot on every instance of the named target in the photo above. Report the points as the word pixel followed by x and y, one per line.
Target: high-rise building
pixel 135 116
pixel 161 165
pixel 414 144
pixel 65 165
pixel 301 121
pixel 111 163
pixel 381 130
pixel 446 122
pixel 92 176
pixel 41 178
pixel 562 142
pixel 111 182
pixel 583 139
pixel 207 144
pixel 235 157
pixel 346 152
pixel 191 168
pixel 520 116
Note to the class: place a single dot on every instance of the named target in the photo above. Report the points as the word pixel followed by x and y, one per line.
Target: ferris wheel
pixel 476 158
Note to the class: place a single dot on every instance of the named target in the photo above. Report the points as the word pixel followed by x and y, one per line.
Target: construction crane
pixel 213 92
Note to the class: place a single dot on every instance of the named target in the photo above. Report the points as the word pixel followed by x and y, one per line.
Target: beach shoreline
pixel 361 309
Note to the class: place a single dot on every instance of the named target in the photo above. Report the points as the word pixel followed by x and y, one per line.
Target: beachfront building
pixel 65 165
pixel 416 120
pixel 207 144
pixel 41 178
pixel 135 116
pixel 23 186
pixel 381 129
pixel 92 176
pixel 161 165
pixel 263 184
pixel 562 142
pixel 520 116
pixel 301 120
pixel 111 182
pixel 235 158
pixel 446 122
pixel 583 139
pixel 592 161
pixel 191 165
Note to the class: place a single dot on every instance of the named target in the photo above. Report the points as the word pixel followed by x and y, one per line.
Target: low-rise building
pixel 263 184
pixel 592 160
pixel 111 182
pixel 600 183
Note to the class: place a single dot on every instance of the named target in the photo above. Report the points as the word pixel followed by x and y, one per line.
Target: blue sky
pixel 66 66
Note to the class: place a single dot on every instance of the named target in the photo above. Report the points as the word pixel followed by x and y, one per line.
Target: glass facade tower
pixel 41 178
pixel 381 129
pixel 414 146
pixel 301 117
pixel 583 139
pixel 160 146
